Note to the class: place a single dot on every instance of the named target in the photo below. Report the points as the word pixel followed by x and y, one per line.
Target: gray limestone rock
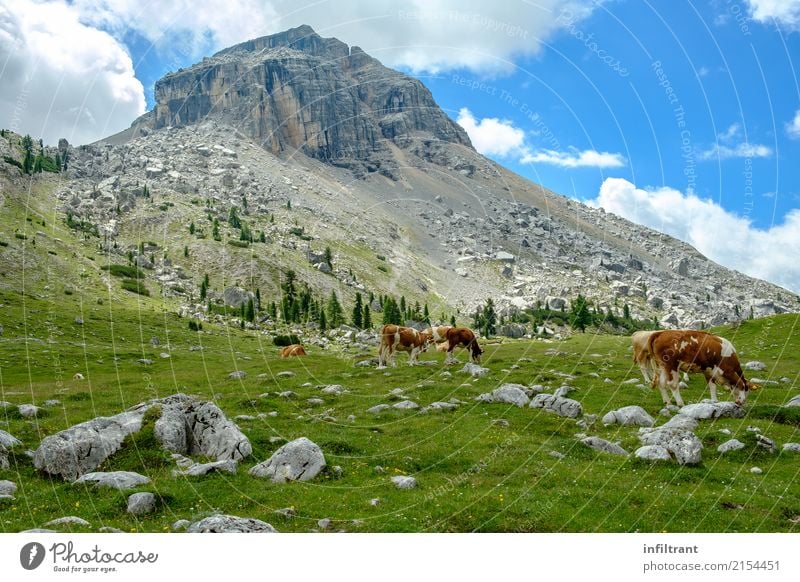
pixel 68 520
pixel 653 453
pixel 604 446
pixel 474 370
pixel 708 410
pixel 565 407
pixel 730 445
pixel 141 503
pixel 683 445
pixel 628 416
pixel 230 524
pixel 298 460
pixel 114 479
pixel 404 482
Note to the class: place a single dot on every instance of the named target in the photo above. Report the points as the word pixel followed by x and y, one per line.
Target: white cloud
pixel 785 13
pixel 501 138
pixel 420 35
pixel 722 236
pixel 575 159
pixel 742 150
pixel 793 127
pixel 61 78
pixel 492 136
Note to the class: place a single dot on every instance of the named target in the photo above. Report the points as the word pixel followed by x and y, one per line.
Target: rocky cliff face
pixel 297 91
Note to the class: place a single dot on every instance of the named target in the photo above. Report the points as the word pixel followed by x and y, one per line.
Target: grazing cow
pixel 405 339
pixel 438 335
pixel 697 352
pixel 642 355
pixel 293 350
pixel 465 337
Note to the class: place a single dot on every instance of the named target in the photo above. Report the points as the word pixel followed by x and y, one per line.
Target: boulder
pixel 404 482
pixel 628 416
pixel 795 401
pixel 238 375
pixel 28 410
pixel 683 445
pixel 653 453
pixel 114 479
pixel 9 488
pixel 8 441
pixel 230 524
pixel 791 447
pixel 604 446
pixel 406 405
pixel 199 469
pixel 298 460
pixel 236 296
pixel 83 447
pixel 141 503
pixel 681 421
pixel 212 434
pixel 565 407
pixel 333 389
pixel 440 406
pixel 510 394
pixel 730 445
pixel 708 410
pixel 474 370
pixel 378 408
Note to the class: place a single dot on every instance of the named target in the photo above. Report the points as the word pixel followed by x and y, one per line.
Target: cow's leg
pixel 676 391
pixel 450 359
pixel 661 380
pixel 412 356
pixel 382 356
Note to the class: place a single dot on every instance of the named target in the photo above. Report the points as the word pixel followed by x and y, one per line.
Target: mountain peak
pixel 297 91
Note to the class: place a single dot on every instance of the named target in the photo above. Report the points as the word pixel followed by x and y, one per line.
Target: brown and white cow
pixel 438 335
pixel 697 352
pixel 293 350
pixel 405 339
pixel 462 336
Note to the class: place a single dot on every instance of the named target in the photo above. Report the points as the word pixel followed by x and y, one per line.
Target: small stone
pixel 604 446
pixel 68 520
pixel 284 374
pixel 557 455
pixel 114 479
pixel 287 512
pixel 379 469
pixel 756 470
pixel 141 503
pixel 501 422
pixel 10 488
pixel 28 410
pixel 237 375
pixel 755 365
pixel 324 523
pixel 766 443
pixel 406 405
pixel 378 408
pixel 298 460
pixel 181 524
pixel 731 445
pixel 791 447
pixel 404 482
pixel 374 502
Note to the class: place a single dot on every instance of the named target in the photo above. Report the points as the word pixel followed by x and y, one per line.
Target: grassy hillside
pixel 61 314
pixel 473 473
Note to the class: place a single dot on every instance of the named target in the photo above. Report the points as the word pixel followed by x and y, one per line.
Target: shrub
pixel 135 286
pixel 127 271
pixel 242 244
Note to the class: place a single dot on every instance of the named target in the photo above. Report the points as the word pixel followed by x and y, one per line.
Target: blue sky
pixel 684 116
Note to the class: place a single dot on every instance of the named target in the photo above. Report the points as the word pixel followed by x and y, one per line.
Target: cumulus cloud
pixel 61 78
pixel 727 146
pixel 492 136
pixel 785 13
pixel 575 159
pixel 420 35
pixel 793 127
pixel 722 236
pixel 501 138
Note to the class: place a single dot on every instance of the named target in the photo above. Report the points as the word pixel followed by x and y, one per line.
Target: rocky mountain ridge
pixel 410 208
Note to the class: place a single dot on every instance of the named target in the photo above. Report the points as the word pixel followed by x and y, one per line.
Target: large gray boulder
pixel 730 445
pixel 187 426
pixel 681 421
pixel 708 410
pixel 8 488
pixel 566 407
pixel 114 479
pixel 683 445
pixel 795 401
pixel 8 441
pixel 653 453
pixel 298 460
pixel 230 524
pixel 604 446
pixel 82 448
pixel 628 416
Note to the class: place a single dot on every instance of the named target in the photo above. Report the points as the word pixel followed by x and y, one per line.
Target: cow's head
pixel 476 351
pixel 741 389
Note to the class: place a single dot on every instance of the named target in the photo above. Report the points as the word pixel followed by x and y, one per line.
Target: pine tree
pixel 215 231
pixel 477 318
pixel 367 319
pixel 258 299
pixel 403 304
pixel 191 228
pixel 322 321
pixel 581 317
pixel 358 312
pixel 489 319
pixel 233 218
pixel 329 257
pixel 626 311
pixel 453 320
pixel 185 250
pixel 250 311
pixel 27 161
pixel 426 315
pixel 287 286
pixel 334 310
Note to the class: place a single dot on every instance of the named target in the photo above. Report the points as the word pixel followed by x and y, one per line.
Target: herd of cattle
pixel 661 355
